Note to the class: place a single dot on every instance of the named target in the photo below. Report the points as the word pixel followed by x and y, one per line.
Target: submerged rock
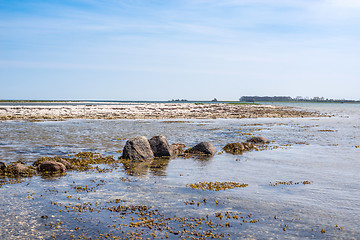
pixel 160 146
pixel 138 148
pixel 177 149
pixel 234 148
pixel 203 148
pixel 261 140
pixel 52 166
pixel 2 166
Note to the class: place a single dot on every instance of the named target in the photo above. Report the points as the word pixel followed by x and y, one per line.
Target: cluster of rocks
pixel 136 149
pixel 248 145
pixel 140 148
pixel 20 169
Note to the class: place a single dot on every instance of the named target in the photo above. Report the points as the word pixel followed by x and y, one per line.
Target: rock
pixel 64 162
pixel 177 148
pixel 203 148
pixel 234 148
pixel 261 140
pixel 19 169
pixel 2 166
pixel 248 146
pixel 51 166
pixel 160 146
pixel 138 148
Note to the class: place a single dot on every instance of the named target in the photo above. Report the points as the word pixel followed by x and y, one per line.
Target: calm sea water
pixel 323 151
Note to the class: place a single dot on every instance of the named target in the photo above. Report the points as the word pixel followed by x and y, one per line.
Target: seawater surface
pixel 323 151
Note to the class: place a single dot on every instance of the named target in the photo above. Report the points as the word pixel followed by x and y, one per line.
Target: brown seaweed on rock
pixel 18 169
pixel 234 148
pixel 81 161
pixel 238 148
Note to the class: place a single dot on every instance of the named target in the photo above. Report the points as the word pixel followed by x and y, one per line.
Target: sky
pixel 179 49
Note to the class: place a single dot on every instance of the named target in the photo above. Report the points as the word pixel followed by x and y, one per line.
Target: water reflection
pixel 156 167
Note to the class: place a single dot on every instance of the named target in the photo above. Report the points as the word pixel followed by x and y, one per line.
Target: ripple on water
pixel 299 152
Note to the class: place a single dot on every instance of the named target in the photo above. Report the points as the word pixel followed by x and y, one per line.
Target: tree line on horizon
pixel 290 99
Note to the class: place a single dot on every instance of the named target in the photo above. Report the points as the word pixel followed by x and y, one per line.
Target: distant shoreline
pixel 138 110
pixel 189 101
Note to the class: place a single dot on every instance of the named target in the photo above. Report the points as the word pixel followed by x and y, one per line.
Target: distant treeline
pixel 178 100
pixel 290 99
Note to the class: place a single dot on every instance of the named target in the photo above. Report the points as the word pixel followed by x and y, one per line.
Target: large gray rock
pixel 52 166
pixel 160 146
pixel 2 166
pixel 203 148
pixel 138 148
pixel 261 140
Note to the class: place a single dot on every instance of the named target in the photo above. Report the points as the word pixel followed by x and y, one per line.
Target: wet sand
pixel 149 111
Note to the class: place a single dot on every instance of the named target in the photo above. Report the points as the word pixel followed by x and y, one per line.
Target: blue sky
pixel 193 49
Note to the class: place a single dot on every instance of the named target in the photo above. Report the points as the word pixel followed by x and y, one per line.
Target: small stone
pixel 138 149
pixel 203 148
pixel 50 166
pixel 261 140
pixel 160 146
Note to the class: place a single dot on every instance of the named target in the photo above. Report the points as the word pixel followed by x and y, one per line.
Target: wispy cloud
pixel 236 41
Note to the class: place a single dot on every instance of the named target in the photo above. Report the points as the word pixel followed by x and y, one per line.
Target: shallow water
pixel 320 150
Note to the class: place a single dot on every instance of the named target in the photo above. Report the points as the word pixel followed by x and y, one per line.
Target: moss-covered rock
pixel 234 148
pixel 18 169
pixel 239 148
pixel 81 161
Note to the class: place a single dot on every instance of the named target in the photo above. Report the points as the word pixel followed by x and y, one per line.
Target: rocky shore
pixel 149 111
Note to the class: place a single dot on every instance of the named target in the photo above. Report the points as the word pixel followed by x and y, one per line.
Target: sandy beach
pixel 149 111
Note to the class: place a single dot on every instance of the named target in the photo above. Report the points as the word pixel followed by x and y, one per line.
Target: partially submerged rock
pixel 138 148
pixel 160 146
pixel 81 161
pixel 203 148
pixel 19 169
pixel 239 148
pixel 64 162
pixel 177 149
pixel 258 140
pixel 2 166
pixel 52 166
pixel 59 159
pixel 234 148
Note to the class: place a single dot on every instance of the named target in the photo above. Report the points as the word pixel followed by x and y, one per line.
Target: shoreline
pixel 150 111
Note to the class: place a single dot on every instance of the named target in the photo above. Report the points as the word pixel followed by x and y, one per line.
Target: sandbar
pixel 149 111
